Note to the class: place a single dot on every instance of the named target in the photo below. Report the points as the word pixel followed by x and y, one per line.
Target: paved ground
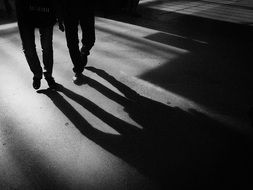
pixel 164 106
pixel 234 11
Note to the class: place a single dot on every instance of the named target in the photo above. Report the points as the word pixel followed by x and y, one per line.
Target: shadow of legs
pixel 132 145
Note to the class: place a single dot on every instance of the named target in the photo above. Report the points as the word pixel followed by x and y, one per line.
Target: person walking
pixel 41 15
pixel 75 13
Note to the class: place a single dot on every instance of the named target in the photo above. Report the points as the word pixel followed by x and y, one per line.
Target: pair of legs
pixel 86 21
pixel 27 34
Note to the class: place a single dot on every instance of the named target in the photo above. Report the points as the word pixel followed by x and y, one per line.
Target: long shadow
pixel 174 148
pixel 140 102
pixel 128 145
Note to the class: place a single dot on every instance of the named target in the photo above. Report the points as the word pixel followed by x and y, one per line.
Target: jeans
pixel 27 34
pixel 86 21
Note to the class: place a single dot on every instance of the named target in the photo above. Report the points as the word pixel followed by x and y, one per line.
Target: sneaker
pixel 51 82
pixel 36 83
pixel 78 78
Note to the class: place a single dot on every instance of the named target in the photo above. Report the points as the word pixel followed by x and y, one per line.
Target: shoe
pixel 36 83
pixel 78 78
pixel 51 82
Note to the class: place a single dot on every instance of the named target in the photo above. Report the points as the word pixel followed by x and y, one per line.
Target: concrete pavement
pixel 163 106
pixel 233 11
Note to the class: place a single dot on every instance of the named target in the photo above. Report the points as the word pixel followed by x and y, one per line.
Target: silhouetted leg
pixel 46 37
pixel 71 31
pixel 29 48
pixel 87 23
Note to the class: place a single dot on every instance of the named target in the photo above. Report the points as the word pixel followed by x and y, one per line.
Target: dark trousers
pixel 86 21
pixel 27 34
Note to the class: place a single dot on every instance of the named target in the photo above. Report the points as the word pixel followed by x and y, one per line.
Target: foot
pixel 78 78
pixel 51 82
pixel 36 83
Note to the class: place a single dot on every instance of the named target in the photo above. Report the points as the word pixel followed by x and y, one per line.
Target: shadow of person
pixel 185 147
pixel 173 148
pixel 150 114
pixel 131 145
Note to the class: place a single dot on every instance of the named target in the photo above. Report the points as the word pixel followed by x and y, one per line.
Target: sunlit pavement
pixel 161 107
